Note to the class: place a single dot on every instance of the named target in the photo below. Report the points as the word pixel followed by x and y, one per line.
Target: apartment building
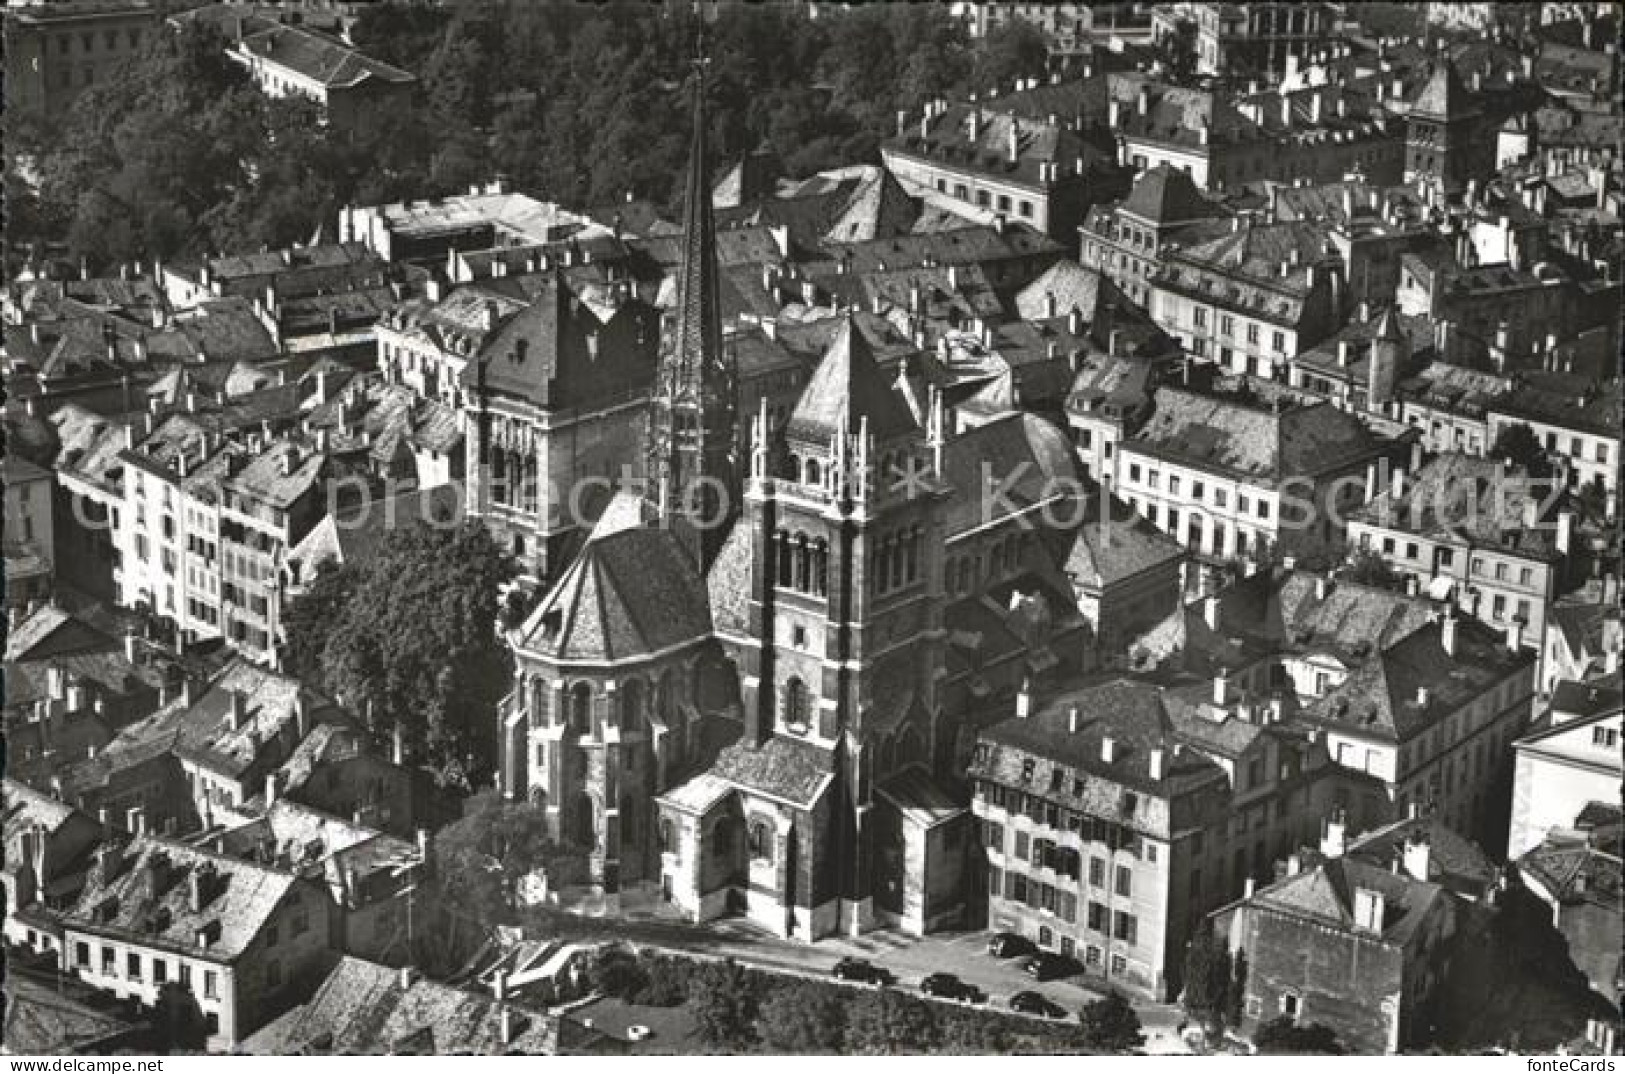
pixel 1431 716
pixel 55 50
pixel 1041 173
pixel 1126 240
pixel 1250 300
pixel 1230 475
pixel 1247 38
pixel 1112 817
pixel 1567 760
pixel 1577 421
pixel 1476 531
pixel 292 61
pixel 30 543
pixel 246 941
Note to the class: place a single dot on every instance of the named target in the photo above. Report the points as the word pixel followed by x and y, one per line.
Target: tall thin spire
pixel 692 439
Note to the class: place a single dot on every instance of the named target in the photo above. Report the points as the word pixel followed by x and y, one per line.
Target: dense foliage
pixel 737 1009
pixel 576 103
pixel 1215 981
pixel 478 863
pixel 1283 1036
pixel 408 637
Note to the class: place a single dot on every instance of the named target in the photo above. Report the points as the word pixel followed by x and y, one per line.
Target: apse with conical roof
pixel 691 464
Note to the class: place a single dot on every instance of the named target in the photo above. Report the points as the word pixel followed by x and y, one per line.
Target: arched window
pixel 967 575
pixel 786 560
pixel 795 705
pixel 820 568
pixel 898 548
pixel 801 563
pixel 581 708
pixel 911 551
pixel 586 826
pixel 814 473
pixel 631 704
pixel 668 837
pixel 761 841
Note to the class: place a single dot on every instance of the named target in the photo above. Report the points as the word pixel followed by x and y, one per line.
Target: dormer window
pixel 1027 767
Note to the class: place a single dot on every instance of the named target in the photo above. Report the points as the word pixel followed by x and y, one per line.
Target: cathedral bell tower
pixel 846 589
pixel 691 473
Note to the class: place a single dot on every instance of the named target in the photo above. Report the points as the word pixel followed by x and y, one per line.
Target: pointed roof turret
pixel 698 338
pixel 1443 96
pixel 1388 327
pixel 847 387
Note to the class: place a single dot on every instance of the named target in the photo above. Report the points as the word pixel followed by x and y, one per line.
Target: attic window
pixel 1131 802
pixel 1027 767
pixel 1057 779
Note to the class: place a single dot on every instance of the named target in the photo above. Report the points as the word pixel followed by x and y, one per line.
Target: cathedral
pixel 734 695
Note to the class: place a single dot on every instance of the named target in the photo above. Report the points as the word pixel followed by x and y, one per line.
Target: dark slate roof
pixel 1326 895
pixel 1577 870
pixel 1382 697
pixel 1455 863
pixel 1029 456
pixel 629 594
pixel 846 388
pixel 1104 555
pixel 786 768
pixel 1166 195
pixel 1134 714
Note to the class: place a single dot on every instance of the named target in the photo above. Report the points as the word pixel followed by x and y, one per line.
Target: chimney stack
pixel 1333 840
pixel 1417 855
pixel 1156 764
pixel 1108 750
pixel 1024 698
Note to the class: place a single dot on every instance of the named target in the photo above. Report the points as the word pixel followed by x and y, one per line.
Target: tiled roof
pixel 1103 556
pixel 321 58
pixel 148 901
pixel 982 143
pixel 629 594
pixel 729 581
pixel 1326 895
pixel 877 209
pixel 1483 501
pixel 1576 871
pixel 363 1008
pixel 845 390
pixel 1132 713
pixel 782 767
pixel 1069 286
pixel 1252 442
pixel 1443 95
pixel 1030 458
pixel 1407 687
pixel 40 1020
pixel 1455 863
pixel 1166 196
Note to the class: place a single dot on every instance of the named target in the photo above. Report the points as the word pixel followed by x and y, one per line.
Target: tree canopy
pixel 408 637
pixel 581 104
pixel 1282 1036
pixel 1110 1025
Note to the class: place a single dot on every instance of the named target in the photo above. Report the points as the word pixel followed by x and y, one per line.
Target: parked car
pixel 947 986
pixel 1006 944
pixel 1033 1003
pixel 1047 967
pixel 856 969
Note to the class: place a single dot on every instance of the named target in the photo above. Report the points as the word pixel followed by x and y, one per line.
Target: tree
pixel 178 1024
pixel 1110 1025
pixel 414 643
pixel 1282 1036
pixel 1519 443
pixel 1367 566
pixel 1207 978
pixel 473 883
pixel 726 1002
pixel 1236 1000
pixel 800 1018
pixel 891 1023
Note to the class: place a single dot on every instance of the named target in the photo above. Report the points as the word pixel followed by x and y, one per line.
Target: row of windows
pixel 1119 925
pixel 1197 490
pixel 986 200
pixel 134 968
